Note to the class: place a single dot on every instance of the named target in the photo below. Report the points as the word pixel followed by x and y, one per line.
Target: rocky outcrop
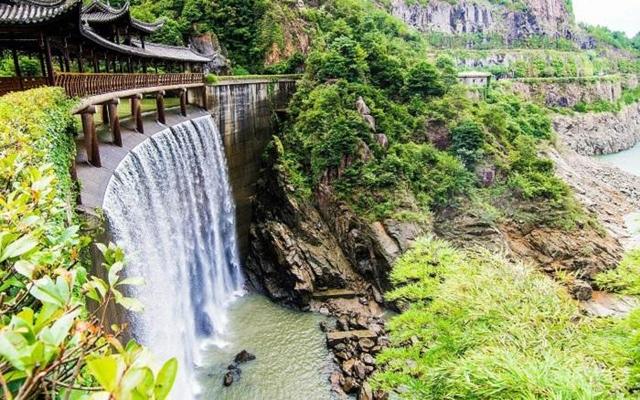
pixel 299 248
pixel 293 253
pixel 600 133
pixel 540 18
pixel 569 94
pixel 208 44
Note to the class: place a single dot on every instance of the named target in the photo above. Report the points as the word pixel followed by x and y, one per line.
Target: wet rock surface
pixel 233 370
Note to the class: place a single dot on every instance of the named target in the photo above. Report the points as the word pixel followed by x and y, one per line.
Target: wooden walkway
pixel 94 180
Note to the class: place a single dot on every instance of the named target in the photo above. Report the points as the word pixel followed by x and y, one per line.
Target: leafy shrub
pixel 467 141
pixel 625 278
pixel 50 342
pixel 423 80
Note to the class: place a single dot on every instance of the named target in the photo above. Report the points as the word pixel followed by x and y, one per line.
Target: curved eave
pixel 99 13
pixel 33 13
pixel 151 50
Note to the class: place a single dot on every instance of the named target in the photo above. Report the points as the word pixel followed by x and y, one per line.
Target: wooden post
pixel 47 58
pixel 16 66
pixel 90 136
pixel 183 102
pixel 116 133
pixel 160 107
pixel 136 108
pixel 105 115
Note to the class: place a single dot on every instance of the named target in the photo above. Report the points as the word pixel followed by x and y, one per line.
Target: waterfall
pixel 169 205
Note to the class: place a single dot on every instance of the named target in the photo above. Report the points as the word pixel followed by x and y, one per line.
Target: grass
pixel 477 326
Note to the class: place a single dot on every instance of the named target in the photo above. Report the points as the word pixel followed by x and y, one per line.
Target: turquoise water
pixel 628 160
pixel 292 361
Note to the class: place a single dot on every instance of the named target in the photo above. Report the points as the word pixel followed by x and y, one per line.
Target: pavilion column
pixel 16 65
pixel 136 112
pixel 116 132
pixel 183 102
pixel 47 57
pixel 160 107
pixel 90 136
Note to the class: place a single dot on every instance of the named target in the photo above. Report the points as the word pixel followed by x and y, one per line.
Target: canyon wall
pixel 550 18
pixel 600 133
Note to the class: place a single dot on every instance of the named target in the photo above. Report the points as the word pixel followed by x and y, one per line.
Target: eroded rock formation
pixel 600 133
pixel 549 18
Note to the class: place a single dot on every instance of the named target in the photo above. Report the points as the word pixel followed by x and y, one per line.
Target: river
pixel 628 160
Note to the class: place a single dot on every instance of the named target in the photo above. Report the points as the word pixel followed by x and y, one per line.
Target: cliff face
pixel 600 133
pixel 549 18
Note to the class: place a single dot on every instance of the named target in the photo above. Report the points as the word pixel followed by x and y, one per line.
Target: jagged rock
pixel 208 44
pixel 549 18
pixel 580 290
pixel 365 392
pixel 350 385
pixel 228 378
pixel 243 357
pixel 359 370
pixel 382 140
pixel 368 359
pixel 361 106
pixel 600 133
pixel 293 252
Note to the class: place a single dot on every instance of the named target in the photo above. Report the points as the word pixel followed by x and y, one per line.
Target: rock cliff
pixel 600 133
pixel 301 246
pixel 550 18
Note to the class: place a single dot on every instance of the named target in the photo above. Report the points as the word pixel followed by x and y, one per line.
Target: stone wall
pixel 245 112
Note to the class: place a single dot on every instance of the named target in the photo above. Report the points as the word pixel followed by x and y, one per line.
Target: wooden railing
pixel 13 84
pixel 85 85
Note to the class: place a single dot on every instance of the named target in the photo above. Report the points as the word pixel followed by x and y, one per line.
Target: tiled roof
pixel 151 50
pixel 33 12
pixel 97 13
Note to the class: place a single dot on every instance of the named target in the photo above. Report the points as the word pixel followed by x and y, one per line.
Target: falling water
pixel 169 205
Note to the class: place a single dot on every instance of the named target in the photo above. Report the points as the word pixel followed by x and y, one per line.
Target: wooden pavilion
pixel 72 42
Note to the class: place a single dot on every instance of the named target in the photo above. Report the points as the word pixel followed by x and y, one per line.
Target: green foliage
pixel 344 59
pixel 47 333
pixel 604 35
pixel 475 325
pixel 467 142
pixel 625 278
pixel 423 80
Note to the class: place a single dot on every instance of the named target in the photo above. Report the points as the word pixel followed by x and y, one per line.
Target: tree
pixel 424 80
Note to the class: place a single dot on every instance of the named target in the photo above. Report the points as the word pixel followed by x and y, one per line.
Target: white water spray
pixel 169 205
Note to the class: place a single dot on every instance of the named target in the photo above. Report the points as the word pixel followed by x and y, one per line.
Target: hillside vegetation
pixel 477 326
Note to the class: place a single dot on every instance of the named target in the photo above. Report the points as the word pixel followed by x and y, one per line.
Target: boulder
pixel 365 392
pixel 243 357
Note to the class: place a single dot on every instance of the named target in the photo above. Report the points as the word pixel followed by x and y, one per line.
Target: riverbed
pixel 292 361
